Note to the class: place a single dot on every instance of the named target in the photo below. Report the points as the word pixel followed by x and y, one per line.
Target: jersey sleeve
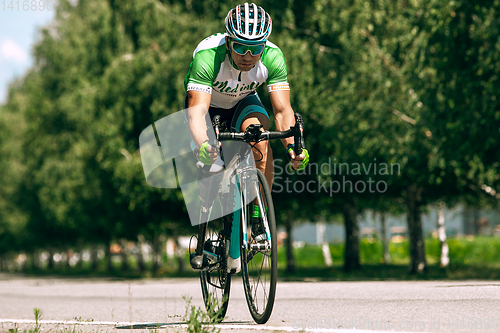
pixel 201 72
pixel 276 65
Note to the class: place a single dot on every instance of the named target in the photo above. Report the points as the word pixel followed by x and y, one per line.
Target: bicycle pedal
pixel 261 246
pixel 261 238
pixel 198 262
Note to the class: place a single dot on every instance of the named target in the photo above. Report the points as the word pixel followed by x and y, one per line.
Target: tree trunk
pixel 24 264
pixel 140 255
pixel 124 255
pixel 50 260
pixel 35 261
pixel 65 260
pixel 290 261
pixel 468 221
pixel 3 263
pixel 418 264
pixel 351 254
pixel 156 250
pixel 107 255
pixel 93 258
pixel 179 254
pixel 79 261
pixel 444 260
pixel 320 238
pixel 385 243
pixel 475 217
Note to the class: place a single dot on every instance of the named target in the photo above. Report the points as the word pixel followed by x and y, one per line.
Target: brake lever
pixel 299 135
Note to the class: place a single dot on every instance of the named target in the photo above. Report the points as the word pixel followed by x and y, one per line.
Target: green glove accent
pixel 204 155
pixel 256 211
pixel 305 161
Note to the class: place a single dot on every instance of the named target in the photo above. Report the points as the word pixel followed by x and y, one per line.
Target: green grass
pixel 481 250
pixel 383 272
pixel 36 329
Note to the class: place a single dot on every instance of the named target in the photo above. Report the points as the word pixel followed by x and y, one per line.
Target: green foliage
pixel 413 83
pixel 481 250
pixel 399 252
pixel 37 329
pixel 198 320
pixel 308 256
pixel 433 250
pixel 337 252
pixel 370 251
pixel 38 317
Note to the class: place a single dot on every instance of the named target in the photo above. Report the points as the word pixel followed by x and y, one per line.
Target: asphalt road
pixel 409 306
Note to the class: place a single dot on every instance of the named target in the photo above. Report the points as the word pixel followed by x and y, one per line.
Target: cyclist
pixel 223 77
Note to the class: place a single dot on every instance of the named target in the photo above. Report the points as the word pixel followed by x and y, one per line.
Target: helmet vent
pixel 248 22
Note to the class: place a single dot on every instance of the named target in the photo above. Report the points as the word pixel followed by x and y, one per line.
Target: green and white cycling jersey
pixel 212 71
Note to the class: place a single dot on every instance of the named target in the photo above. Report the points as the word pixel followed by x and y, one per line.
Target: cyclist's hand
pixel 208 154
pixel 298 162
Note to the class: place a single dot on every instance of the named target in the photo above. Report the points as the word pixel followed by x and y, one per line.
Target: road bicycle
pixel 239 186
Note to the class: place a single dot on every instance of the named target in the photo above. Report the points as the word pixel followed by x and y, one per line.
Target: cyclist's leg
pixel 262 151
pixel 251 111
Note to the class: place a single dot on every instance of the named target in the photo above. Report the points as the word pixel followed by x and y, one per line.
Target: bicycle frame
pixel 243 174
pixel 240 186
pixel 238 172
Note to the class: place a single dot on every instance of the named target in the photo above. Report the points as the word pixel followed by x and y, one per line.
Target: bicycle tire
pixel 260 270
pixel 216 284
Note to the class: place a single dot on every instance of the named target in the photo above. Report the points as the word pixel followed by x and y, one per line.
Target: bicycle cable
pixel 254 146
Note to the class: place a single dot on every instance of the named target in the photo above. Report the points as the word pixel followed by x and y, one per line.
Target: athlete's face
pixel 243 62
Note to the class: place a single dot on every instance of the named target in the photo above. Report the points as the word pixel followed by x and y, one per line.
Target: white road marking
pixel 63 322
pixel 126 325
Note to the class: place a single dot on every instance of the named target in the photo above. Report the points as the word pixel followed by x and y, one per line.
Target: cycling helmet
pixel 248 24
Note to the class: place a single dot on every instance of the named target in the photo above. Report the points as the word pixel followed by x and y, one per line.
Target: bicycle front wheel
pixel 216 282
pixel 259 261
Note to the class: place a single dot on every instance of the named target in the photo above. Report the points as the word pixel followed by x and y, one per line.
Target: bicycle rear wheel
pixel 216 282
pixel 260 265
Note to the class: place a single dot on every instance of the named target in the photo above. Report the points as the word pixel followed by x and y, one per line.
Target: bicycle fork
pixel 265 246
pixel 250 193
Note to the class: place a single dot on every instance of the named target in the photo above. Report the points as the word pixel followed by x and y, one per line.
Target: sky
pixel 19 31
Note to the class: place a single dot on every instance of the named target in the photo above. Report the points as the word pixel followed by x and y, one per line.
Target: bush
pixel 371 251
pixel 477 250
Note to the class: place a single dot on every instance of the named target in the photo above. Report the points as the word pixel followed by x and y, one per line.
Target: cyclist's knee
pixel 255 118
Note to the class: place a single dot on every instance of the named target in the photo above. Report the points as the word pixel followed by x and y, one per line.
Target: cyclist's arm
pixel 284 119
pixel 198 104
pixel 279 90
pixel 283 112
